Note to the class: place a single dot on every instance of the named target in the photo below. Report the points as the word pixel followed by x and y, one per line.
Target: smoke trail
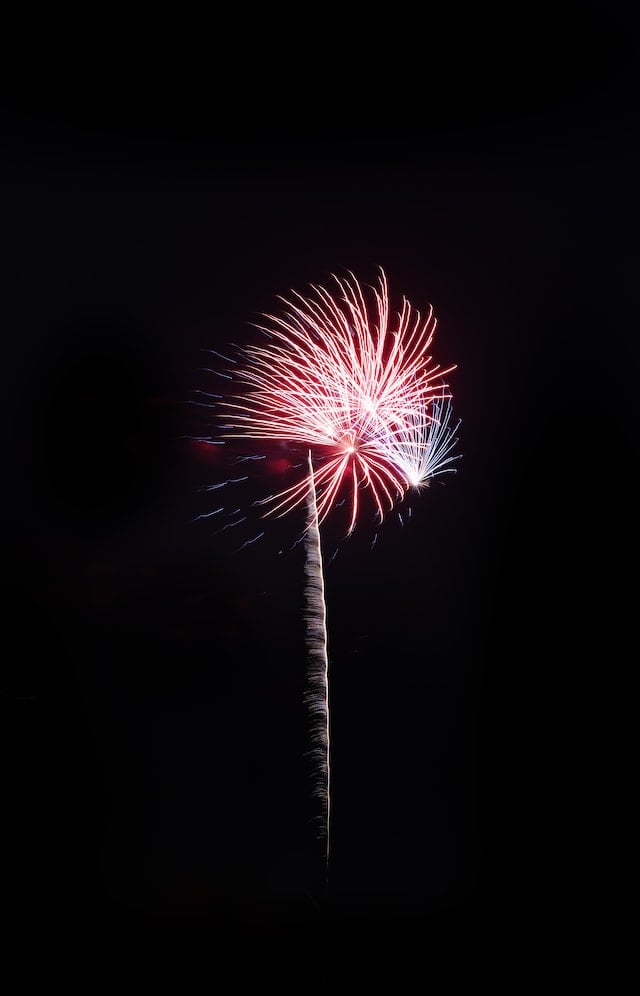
pixel 317 694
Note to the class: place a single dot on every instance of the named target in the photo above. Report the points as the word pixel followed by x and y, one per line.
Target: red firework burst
pixel 356 386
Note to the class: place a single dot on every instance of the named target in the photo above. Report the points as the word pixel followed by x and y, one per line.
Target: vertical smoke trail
pixel 317 694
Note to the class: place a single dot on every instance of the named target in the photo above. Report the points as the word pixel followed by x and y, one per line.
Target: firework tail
pixel 317 694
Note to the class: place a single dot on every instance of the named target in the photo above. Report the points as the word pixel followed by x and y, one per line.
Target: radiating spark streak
pixel 207 515
pixel 223 484
pixel 215 352
pixel 218 373
pixel 205 439
pixel 230 525
pixel 262 501
pixel 251 541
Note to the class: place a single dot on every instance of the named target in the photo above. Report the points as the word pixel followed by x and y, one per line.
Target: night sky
pixel 154 203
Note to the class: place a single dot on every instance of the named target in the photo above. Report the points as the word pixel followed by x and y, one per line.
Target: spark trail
pixel 317 694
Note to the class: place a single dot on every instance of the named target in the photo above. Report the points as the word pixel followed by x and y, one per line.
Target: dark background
pixel 159 187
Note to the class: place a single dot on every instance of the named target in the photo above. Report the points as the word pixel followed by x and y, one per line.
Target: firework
pixel 344 378
pixel 419 445
pixel 357 387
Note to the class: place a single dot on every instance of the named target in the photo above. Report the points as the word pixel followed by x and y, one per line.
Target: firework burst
pixel 356 387
pixel 419 445
pixel 344 378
